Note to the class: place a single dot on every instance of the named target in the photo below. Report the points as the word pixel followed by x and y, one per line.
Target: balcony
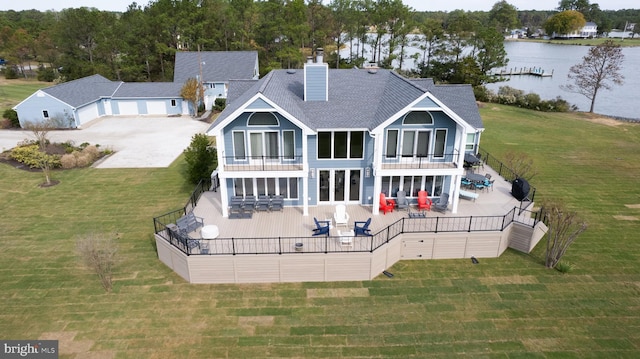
pixel 429 161
pixel 262 163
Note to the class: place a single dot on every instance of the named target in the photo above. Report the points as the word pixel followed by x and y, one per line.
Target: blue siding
pixel 31 109
pixel 426 102
pixel 316 82
pixel 240 124
pixel 440 121
pixel 259 104
pixel 142 107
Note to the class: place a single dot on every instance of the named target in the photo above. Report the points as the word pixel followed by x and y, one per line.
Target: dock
pixel 532 71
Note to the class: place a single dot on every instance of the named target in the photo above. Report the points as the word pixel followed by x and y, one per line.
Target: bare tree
pixel 40 131
pixel 521 165
pixel 564 228
pixel 600 67
pixel 98 252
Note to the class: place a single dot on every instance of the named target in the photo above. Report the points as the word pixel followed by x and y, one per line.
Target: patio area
pixel 290 222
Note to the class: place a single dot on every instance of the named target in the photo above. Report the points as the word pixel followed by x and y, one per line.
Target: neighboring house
pixel 74 103
pixel 215 69
pixel 590 29
pixel 320 136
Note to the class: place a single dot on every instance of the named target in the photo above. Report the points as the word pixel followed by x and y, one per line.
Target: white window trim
pixel 233 146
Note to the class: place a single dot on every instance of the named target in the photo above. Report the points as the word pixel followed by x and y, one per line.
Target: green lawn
pixel 508 307
pixel 12 92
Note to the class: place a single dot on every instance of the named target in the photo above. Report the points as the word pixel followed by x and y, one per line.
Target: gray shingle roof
pixel 357 98
pixel 219 66
pixel 148 90
pixel 82 91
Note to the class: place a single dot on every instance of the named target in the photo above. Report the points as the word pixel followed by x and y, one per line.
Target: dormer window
pixel 262 119
pixel 418 118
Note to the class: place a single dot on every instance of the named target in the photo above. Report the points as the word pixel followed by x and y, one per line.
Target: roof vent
pixel 291 71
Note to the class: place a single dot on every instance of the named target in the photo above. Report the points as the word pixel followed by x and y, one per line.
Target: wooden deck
pixel 292 223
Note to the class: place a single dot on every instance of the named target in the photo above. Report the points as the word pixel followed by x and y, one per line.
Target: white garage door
pixel 156 108
pixel 88 113
pixel 128 107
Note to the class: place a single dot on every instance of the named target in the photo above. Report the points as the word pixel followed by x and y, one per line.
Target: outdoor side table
pixel 210 231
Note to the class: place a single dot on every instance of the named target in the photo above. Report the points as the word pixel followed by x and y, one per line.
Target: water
pixel 620 101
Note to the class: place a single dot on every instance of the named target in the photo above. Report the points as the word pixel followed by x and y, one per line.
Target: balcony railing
pixel 262 163
pixel 428 161
pixel 284 245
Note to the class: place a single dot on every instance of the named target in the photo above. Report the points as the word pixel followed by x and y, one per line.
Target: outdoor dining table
pixel 471 159
pixel 475 177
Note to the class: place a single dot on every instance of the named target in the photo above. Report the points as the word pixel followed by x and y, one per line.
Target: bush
pixel 10 73
pixel 91 152
pixel 46 74
pixel 32 156
pixel 200 157
pixel 98 252
pixel 220 104
pixel 564 267
pixel 68 161
pixel 12 116
pixel 83 159
pixel 483 94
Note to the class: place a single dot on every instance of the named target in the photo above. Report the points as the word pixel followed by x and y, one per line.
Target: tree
pixel 45 161
pixel 98 252
pixel 564 227
pixel 577 5
pixel 599 69
pixel 503 16
pixel 564 23
pixel 190 92
pixel 201 158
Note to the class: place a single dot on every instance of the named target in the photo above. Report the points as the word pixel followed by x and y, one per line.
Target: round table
pixel 210 231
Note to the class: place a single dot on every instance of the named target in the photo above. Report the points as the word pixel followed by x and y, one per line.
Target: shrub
pixel 12 116
pixel 220 104
pixel 98 252
pixel 91 152
pixel 68 161
pixel 10 73
pixel 31 156
pixel 483 94
pixel 200 157
pixel 83 159
pixel 46 74
pixel 564 267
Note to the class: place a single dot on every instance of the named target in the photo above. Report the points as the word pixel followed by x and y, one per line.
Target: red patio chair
pixel 385 205
pixel 424 202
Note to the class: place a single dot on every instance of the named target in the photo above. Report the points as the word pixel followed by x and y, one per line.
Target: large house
pixel 323 136
pixel 74 103
pixel 589 30
pixel 215 69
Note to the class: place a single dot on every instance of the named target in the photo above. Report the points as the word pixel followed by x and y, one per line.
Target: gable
pixel 259 104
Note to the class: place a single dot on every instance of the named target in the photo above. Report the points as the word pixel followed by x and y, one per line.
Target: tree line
pixel 139 44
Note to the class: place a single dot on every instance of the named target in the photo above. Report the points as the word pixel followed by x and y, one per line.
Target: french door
pixel 264 145
pixel 339 185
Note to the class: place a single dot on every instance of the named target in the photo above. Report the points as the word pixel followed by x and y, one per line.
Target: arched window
pixel 417 118
pixel 262 119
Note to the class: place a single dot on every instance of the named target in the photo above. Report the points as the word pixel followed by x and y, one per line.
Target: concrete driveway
pixel 137 141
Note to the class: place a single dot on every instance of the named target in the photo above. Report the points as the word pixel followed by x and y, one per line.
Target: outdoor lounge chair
pixel 341 216
pixel 424 202
pixel 362 228
pixel 385 205
pixel 401 201
pixel 322 227
pixel 442 204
